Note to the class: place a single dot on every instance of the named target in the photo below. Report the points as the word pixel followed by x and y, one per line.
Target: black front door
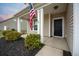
pixel 58 27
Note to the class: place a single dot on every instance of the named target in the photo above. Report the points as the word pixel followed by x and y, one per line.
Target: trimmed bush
pixel 32 41
pixel 11 35
pixel 13 29
pixel 6 32
pixel 1 35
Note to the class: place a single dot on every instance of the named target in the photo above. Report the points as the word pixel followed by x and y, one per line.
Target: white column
pixel 18 25
pixel 5 27
pixel 38 19
pixel 49 24
pixel 76 29
pixel 42 24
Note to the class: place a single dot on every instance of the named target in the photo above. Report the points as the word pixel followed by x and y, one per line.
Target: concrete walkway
pixel 53 47
pixel 49 51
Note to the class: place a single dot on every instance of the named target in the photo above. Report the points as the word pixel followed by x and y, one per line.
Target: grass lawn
pixel 15 48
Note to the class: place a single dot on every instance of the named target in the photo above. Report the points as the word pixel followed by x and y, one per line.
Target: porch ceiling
pixel 50 8
pixel 62 7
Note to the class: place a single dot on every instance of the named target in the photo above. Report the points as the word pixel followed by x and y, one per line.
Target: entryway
pixel 58 27
pixel 57 30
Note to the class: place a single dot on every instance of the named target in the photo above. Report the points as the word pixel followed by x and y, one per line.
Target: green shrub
pixel 13 29
pixel 11 35
pixel 5 32
pixel 1 35
pixel 32 41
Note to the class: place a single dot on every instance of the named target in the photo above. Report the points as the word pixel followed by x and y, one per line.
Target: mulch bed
pixel 15 48
pixel 66 53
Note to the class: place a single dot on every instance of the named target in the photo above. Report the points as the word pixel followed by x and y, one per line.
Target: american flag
pixel 32 14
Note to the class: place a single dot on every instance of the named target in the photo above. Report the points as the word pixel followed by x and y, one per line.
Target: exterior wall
pixel 69 27
pixel 46 25
pixel 10 24
pixel 23 25
pixel 1 26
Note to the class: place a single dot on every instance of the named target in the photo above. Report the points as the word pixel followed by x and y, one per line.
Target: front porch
pixel 59 43
pixel 53 47
pixel 44 22
pixel 57 36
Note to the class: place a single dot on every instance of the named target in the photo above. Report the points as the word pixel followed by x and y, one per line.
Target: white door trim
pixel 62 26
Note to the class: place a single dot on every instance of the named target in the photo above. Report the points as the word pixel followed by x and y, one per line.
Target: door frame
pixel 56 18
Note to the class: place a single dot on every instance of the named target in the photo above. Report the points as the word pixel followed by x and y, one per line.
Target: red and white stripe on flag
pixel 32 13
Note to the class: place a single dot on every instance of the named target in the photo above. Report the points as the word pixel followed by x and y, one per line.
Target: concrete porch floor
pixel 53 47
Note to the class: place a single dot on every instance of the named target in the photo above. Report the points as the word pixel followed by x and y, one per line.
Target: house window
pixel 35 24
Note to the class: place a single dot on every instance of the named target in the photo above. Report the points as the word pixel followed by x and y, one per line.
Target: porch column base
pixel 42 39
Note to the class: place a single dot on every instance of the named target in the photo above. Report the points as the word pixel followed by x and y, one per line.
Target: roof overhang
pixel 26 10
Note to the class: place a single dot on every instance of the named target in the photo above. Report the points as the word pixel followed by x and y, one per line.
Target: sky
pixel 7 10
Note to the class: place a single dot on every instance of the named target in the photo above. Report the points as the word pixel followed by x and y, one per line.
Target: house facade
pixel 12 24
pixel 52 20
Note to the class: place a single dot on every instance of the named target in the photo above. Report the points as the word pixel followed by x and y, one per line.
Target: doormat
pixel 66 53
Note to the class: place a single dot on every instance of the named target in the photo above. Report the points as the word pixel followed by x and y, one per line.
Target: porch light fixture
pixel 56 7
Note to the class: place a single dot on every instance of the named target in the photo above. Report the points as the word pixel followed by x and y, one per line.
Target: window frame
pixel 35 19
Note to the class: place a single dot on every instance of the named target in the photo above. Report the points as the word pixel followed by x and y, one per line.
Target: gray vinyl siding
pixel 69 26
pixel 24 25
pixel 46 25
pixel 1 26
pixel 10 24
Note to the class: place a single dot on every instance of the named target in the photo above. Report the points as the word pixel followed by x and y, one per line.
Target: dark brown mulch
pixel 15 48
pixel 66 53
